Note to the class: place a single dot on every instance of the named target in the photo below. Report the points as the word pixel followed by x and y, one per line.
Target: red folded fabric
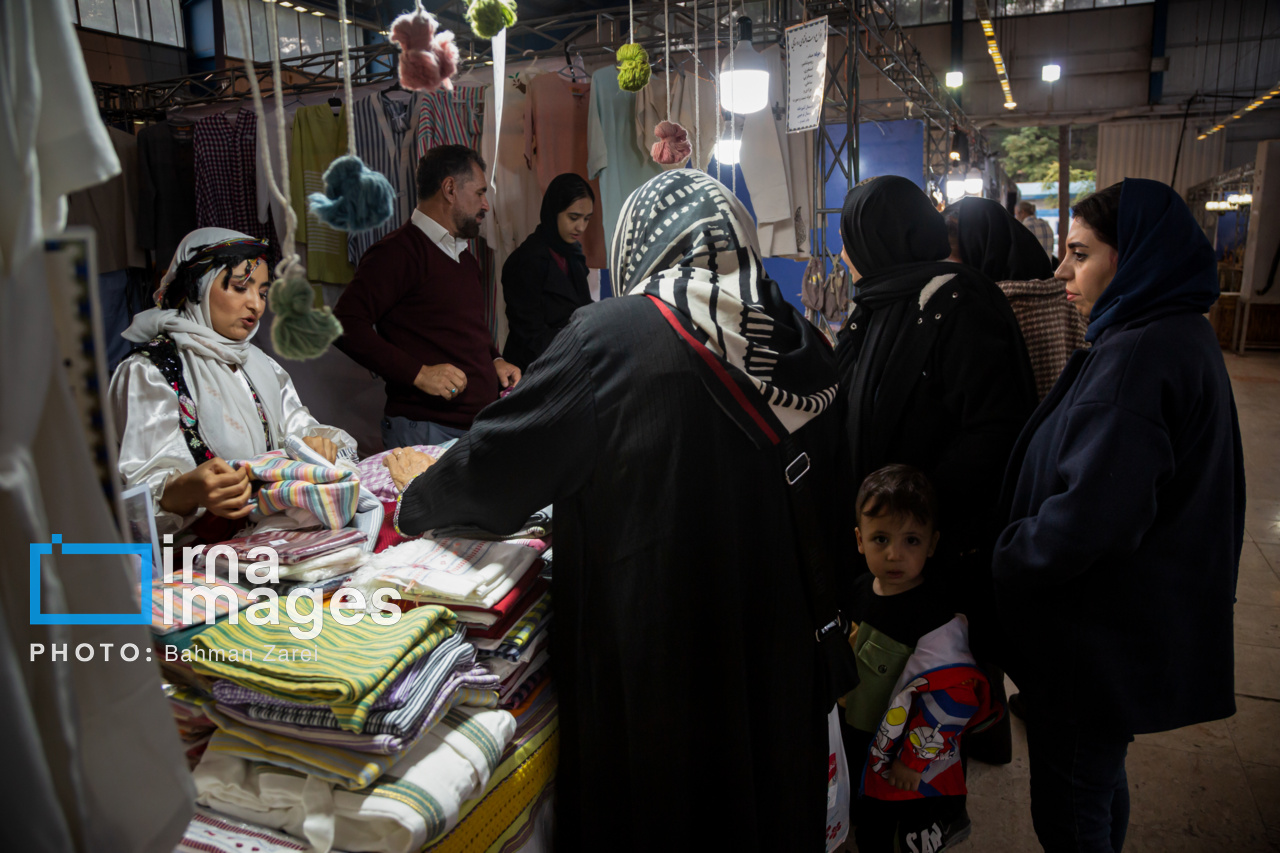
pixel 511 609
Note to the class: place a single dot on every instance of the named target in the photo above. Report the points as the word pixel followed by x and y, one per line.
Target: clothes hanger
pixel 335 103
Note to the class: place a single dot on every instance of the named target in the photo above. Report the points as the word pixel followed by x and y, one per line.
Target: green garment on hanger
pixel 319 137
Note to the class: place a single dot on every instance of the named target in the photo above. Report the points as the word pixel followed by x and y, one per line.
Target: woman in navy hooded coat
pixel 1116 574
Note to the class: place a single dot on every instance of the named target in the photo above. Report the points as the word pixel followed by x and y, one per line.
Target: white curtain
pixel 1149 149
pixel 95 763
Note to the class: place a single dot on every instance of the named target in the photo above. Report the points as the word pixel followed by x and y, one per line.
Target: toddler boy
pixel 919 687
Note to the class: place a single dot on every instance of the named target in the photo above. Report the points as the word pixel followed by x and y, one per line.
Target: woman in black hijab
pixel 932 361
pixel 936 376
pixel 545 280
pixel 986 237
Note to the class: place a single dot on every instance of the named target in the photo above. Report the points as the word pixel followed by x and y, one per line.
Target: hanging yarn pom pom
pixel 427 58
pixel 633 68
pixel 355 197
pixel 490 17
pixel 300 331
pixel 673 144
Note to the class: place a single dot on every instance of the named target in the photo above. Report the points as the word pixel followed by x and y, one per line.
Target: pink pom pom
pixel 427 58
pixel 672 145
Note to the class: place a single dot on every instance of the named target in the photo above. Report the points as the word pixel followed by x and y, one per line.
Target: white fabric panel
pixel 97 764
pixel 1148 149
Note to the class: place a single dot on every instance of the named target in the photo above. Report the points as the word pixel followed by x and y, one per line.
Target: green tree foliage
pixel 1031 154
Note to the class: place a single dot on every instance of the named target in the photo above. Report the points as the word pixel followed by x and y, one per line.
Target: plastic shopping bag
pixel 838 790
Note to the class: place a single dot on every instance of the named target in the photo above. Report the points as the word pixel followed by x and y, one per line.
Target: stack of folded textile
pixel 317 559
pixel 504 817
pixel 194 726
pixel 493 587
pixel 418 799
pixel 343 709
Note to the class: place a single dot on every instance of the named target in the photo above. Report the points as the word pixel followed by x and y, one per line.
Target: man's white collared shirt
pixel 439 235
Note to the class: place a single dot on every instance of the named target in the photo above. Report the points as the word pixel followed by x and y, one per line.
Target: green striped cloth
pixel 350 666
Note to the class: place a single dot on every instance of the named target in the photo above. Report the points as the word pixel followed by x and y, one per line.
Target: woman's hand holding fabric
pixel 405 463
pixel 441 380
pixel 214 485
pixel 323 446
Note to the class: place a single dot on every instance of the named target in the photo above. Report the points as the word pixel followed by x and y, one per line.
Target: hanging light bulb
pixel 728 151
pixel 973 182
pixel 955 188
pixel 744 76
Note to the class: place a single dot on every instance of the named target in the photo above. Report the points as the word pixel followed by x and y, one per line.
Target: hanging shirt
pixel 615 159
pixel 319 137
pixel 454 118
pixel 385 142
pixel 516 200
pixel 555 119
pixel 166 187
pixel 778 169
pixel 226 174
pixel 109 209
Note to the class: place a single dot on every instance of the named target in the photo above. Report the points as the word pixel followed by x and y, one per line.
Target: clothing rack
pixel 311 73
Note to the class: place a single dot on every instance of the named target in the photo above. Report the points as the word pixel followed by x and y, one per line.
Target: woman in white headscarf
pixel 196 392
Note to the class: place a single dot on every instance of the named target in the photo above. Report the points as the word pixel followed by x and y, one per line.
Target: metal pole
pixel 1064 186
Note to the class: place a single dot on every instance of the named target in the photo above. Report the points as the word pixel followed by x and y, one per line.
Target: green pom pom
pixel 490 17
pixel 300 331
pixel 633 68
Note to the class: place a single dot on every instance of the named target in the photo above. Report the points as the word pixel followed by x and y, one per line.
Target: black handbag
pixel 831 630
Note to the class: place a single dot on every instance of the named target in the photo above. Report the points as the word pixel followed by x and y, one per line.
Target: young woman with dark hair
pixel 1115 577
pixel 545 280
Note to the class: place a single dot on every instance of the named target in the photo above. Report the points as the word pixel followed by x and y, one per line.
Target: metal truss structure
pixel 313 72
pixel 861 31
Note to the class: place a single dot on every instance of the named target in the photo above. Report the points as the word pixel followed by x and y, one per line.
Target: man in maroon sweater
pixel 414 313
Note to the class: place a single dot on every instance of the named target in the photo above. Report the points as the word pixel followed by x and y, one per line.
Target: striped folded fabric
pixel 419 798
pixel 230 693
pixel 533 623
pixel 473 688
pixel 501 819
pixel 451 666
pixel 346 667
pixel 330 494
pixel 200 595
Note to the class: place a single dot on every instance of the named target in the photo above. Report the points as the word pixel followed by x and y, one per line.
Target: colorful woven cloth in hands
pixel 330 494
pixel 346 667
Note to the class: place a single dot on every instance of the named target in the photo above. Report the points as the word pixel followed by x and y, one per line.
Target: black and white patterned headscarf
pixel 685 240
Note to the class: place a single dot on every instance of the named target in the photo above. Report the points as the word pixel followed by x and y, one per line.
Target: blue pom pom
pixel 355 197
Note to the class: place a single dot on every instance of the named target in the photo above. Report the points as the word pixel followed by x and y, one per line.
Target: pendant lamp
pixel 744 76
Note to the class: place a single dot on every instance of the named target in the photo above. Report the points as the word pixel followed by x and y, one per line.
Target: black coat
pixel 540 298
pixel 683 653
pixel 957 391
pixel 1116 576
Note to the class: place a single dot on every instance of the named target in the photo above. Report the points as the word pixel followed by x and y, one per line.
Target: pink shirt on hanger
pixel 555 140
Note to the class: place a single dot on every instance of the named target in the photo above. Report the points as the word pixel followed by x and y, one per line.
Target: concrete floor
pixel 1213 787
